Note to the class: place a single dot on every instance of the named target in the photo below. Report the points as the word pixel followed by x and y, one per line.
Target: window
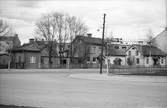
pixel 129 53
pixel 147 61
pixel 88 60
pixel 137 60
pixel 137 53
pixel 116 47
pixel 124 48
pixel 94 60
pixel 162 61
pixel 94 49
pixel 32 59
pixel 79 61
pixel 68 46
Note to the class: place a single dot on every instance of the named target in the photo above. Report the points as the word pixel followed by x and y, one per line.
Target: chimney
pixel 31 40
pixel 16 35
pixel 89 35
pixel 166 28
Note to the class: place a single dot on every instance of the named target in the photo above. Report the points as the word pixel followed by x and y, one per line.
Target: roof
pixel 35 46
pixel 117 59
pixel 145 50
pixel 9 38
pixel 116 52
pixel 91 40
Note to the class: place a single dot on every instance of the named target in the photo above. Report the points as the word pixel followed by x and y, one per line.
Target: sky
pixel 127 19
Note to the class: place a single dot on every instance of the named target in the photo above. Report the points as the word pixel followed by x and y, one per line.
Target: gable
pixel 145 50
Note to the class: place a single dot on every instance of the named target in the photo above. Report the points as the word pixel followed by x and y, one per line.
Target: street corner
pixel 119 78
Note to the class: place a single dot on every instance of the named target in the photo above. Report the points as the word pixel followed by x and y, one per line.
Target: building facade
pixel 7 43
pixel 161 40
pixel 145 55
pixel 27 56
pixel 86 50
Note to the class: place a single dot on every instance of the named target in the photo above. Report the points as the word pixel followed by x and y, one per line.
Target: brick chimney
pixel 89 35
pixel 31 40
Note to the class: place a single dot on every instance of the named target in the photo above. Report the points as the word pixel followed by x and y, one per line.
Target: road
pixel 54 89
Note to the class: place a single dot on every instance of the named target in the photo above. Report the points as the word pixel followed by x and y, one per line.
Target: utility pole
pixel 101 60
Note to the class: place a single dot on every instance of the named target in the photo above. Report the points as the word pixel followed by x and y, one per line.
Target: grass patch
pixel 13 106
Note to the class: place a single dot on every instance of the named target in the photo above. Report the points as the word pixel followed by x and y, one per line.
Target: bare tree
pixel 46 29
pixel 109 37
pixel 5 28
pixel 76 27
pixel 150 38
pixel 59 27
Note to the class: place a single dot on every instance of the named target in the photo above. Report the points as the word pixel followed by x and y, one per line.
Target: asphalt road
pixel 54 89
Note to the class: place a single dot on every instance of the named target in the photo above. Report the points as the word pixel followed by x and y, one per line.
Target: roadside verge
pixel 120 78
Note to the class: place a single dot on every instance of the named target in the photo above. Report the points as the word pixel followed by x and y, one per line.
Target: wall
pixel 32 65
pixel 161 42
pixel 133 53
pixel 16 42
pixel 4 59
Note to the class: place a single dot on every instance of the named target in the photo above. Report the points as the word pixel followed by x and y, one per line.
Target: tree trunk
pixel 50 55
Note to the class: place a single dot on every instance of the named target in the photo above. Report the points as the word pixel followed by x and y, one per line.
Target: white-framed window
pixel 94 60
pixel 116 47
pixel 94 49
pixel 162 61
pixel 129 53
pixel 137 60
pixel 88 59
pixel 32 59
pixel 147 61
pixel 137 53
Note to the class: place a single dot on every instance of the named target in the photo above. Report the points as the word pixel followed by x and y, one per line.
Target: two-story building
pixel 87 51
pixel 7 43
pixel 145 55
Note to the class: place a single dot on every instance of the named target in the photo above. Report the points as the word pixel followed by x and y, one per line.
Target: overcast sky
pixel 128 19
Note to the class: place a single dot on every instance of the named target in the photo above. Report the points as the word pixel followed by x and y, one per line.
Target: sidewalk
pixel 120 78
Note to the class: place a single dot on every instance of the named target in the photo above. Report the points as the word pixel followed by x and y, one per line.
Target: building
pixel 28 55
pixel 7 43
pixel 35 54
pixel 140 55
pixel 116 57
pixel 161 40
pixel 87 51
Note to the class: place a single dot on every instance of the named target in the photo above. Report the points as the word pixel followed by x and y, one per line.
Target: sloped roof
pixel 91 40
pixel 145 50
pixel 35 46
pixel 116 52
pixel 9 38
pixel 117 59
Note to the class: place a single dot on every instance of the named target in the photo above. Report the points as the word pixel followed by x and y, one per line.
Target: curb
pixel 120 78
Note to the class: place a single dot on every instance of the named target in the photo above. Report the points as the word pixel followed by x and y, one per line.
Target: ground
pixel 55 89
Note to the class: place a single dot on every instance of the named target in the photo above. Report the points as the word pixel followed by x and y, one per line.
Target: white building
pixel 141 55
